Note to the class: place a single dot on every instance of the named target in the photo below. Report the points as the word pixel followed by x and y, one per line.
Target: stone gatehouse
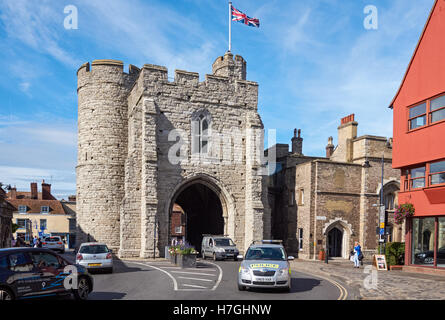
pixel 146 143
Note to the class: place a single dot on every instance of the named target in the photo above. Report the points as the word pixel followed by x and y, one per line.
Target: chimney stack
pixel 347 131
pixel 46 191
pixel 330 147
pixel 13 193
pixel 297 143
pixel 34 193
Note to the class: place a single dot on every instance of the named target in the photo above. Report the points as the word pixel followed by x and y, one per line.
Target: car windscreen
pixel 224 242
pixel 52 239
pixel 265 254
pixel 94 249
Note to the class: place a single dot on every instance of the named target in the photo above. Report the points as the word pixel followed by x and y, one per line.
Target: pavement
pixel 369 284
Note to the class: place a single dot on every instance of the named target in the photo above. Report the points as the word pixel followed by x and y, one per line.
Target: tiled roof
pixel 27 195
pixel 34 205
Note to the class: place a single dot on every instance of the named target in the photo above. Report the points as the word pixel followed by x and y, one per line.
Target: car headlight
pixel 244 270
pixel 283 271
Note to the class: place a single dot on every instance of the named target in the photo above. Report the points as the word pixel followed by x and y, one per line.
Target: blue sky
pixel 313 59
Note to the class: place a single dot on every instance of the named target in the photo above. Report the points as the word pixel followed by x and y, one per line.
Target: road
pixel 160 280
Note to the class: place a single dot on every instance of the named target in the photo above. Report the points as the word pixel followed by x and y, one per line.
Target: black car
pixel 427 257
pixel 36 272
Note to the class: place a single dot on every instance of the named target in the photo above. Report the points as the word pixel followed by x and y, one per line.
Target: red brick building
pixel 178 223
pixel 419 144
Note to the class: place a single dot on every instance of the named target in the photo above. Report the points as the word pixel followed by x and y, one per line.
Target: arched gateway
pixel 208 208
pixel 146 143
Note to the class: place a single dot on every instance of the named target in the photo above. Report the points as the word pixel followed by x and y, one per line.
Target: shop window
pixel 441 243
pixel 437 108
pixel 423 235
pixel 417 116
pixel 417 178
pixel 437 172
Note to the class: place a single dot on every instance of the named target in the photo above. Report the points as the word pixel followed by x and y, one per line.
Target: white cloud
pixel 38 25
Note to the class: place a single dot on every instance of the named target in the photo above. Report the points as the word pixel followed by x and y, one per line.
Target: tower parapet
pixel 228 67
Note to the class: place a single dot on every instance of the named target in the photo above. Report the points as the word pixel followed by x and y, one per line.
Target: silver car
pixel 54 243
pixel 265 265
pixel 218 248
pixel 94 256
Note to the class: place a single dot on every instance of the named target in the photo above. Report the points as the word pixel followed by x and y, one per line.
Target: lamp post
pixel 326 256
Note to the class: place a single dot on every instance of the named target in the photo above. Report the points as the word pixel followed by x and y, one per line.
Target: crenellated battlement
pixel 106 70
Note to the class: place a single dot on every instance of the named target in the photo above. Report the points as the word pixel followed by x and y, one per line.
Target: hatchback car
pixel 218 248
pixel 37 272
pixel 266 265
pixel 54 243
pixel 94 255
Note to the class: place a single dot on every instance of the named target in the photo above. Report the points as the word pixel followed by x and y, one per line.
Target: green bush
pixel 395 252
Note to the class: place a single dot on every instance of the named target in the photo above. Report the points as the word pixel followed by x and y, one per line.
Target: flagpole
pixel 230 26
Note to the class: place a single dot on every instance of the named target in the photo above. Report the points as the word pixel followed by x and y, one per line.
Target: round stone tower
pixel 102 149
pixel 228 67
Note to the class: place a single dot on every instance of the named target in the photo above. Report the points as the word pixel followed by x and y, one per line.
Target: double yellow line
pixel 343 291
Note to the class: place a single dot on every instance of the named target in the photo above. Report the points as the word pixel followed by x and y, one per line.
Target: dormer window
pixel 44 209
pixel 22 209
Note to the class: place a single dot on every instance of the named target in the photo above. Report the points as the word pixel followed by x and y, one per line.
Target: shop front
pixel 428 242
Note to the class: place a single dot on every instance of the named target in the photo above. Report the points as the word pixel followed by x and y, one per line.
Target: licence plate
pixel 264 279
pixel 94 264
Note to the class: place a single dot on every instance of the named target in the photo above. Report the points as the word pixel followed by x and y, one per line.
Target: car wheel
pixel 235 259
pixel 110 270
pixel 6 294
pixel 241 288
pixel 83 289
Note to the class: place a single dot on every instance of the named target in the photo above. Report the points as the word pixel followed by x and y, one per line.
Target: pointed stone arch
pixel 345 228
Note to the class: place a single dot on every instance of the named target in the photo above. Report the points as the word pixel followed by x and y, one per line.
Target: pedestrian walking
pixel 357 254
pixel 39 243
pixel 34 242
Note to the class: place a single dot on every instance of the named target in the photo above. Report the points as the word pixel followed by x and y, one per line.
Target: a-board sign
pixel 380 262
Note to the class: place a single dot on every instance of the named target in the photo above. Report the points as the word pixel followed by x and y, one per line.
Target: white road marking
pixel 175 284
pixel 196 279
pixel 220 276
pixel 198 273
pixel 193 286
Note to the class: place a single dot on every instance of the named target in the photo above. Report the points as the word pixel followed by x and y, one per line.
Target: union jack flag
pixel 243 18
